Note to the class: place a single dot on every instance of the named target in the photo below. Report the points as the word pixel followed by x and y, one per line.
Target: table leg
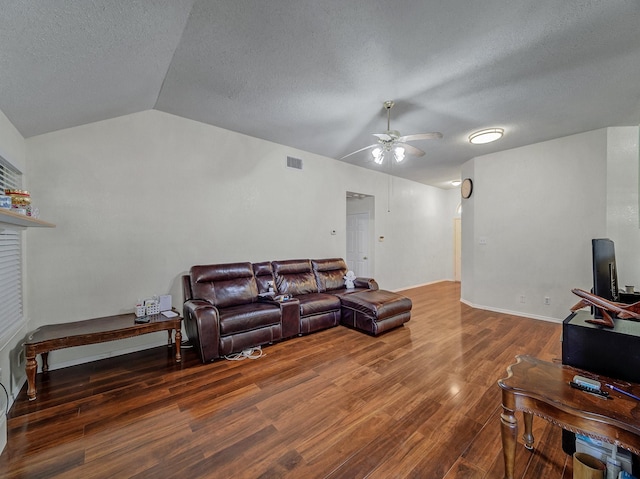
pixel 509 432
pixel 178 344
pixel 32 368
pixel 45 362
pixel 528 431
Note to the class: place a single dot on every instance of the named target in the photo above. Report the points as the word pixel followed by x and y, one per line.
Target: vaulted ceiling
pixel 313 74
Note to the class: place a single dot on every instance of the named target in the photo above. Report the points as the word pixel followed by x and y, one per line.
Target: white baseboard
pixel 512 313
pixel 422 284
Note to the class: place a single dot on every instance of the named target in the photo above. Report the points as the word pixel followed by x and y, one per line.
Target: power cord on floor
pixel 249 353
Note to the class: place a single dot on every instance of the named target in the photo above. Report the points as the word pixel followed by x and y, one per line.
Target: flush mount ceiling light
pixel 486 136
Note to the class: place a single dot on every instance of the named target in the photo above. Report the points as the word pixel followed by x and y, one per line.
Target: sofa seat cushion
pixel 246 317
pixel 316 303
pixel 345 291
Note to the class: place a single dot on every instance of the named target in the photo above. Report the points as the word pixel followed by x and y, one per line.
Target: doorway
pixel 360 230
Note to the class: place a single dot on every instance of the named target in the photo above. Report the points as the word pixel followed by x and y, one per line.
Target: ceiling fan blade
pixel 383 136
pixel 421 136
pixel 410 150
pixel 358 151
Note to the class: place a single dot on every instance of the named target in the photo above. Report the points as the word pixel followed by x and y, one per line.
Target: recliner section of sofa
pixel 317 310
pixel 330 275
pixel 224 312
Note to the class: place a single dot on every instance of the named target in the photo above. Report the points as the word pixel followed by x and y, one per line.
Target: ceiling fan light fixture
pixel 398 153
pixel 378 155
pixel 486 136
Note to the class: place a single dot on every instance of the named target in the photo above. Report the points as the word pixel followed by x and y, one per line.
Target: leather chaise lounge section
pixel 224 314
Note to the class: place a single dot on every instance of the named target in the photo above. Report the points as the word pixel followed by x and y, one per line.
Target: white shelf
pixel 9 219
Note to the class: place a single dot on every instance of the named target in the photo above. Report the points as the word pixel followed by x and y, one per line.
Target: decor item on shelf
pixel 392 142
pixel 606 307
pixel 5 200
pixel 19 198
pixel 20 201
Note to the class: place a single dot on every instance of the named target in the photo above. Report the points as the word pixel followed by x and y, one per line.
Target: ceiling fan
pixel 391 141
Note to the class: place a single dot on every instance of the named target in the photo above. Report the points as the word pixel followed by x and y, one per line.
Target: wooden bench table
pixel 540 388
pixel 91 331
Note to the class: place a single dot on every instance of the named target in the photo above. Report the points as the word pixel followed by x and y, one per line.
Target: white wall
pixel 537 207
pixel 575 188
pixel 139 199
pixel 622 201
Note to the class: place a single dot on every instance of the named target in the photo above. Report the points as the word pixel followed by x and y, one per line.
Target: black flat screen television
pixel 605 274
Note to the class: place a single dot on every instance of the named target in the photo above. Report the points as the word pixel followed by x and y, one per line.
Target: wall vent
pixel 294 162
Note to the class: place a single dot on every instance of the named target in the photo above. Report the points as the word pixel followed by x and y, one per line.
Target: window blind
pixel 10 261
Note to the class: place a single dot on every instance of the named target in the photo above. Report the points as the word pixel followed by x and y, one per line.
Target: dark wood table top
pixel 548 383
pixel 98 326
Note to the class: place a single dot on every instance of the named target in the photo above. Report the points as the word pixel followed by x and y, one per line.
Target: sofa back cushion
pixel 264 274
pixel 294 276
pixel 224 285
pixel 329 273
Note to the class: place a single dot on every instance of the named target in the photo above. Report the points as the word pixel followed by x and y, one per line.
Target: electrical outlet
pixel 547 300
pixel 523 298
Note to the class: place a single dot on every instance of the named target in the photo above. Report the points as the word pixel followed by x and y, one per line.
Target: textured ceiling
pixel 313 74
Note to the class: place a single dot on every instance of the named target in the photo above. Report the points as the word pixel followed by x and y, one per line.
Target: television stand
pixel 613 352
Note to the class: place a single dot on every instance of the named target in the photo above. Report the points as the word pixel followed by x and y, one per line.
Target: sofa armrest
pixel 368 283
pixel 202 323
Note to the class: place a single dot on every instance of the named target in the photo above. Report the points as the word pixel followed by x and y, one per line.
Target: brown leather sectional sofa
pixel 224 312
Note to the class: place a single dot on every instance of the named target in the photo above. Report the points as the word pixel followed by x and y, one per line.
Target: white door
pixel 358 244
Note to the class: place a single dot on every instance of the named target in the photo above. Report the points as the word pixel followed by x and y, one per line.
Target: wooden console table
pixel 91 331
pixel 540 388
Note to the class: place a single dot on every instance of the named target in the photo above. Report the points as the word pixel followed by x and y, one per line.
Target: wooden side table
pixel 542 389
pixel 80 333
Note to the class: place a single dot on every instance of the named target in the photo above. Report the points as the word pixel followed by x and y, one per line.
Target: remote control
pixel 587 389
pixel 590 383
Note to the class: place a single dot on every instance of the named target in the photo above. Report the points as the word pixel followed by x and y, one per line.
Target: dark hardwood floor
pixel 420 401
